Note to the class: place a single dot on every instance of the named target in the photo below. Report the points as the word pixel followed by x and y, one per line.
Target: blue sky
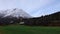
pixel 33 7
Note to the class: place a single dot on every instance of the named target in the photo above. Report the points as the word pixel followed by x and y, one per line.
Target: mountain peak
pixel 16 13
pixel 15 9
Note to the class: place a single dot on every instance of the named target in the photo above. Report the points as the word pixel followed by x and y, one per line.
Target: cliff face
pixel 47 20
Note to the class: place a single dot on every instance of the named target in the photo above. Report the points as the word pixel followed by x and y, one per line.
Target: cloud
pixel 32 7
pixel 27 5
pixel 54 7
pixel 7 4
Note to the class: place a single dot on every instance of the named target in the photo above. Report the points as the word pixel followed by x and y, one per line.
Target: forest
pixel 47 20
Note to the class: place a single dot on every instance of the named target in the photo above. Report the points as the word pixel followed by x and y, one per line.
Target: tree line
pixel 47 20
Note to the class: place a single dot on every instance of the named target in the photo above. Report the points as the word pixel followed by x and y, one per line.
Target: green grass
pixel 20 29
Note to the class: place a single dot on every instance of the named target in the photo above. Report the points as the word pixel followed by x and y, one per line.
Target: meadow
pixel 22 29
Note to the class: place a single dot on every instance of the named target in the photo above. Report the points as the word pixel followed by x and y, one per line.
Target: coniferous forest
pixel 47 20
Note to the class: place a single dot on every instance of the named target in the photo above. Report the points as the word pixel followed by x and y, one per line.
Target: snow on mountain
pixel 15 13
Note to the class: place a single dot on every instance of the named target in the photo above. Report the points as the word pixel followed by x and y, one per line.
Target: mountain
pixel 14 13
pixel 47 20
pixel 13 16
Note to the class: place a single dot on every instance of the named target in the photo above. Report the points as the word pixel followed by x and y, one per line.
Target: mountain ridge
pixel 15 13
pixel 47 20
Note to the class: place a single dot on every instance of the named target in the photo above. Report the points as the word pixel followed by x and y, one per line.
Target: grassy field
pixel 21 29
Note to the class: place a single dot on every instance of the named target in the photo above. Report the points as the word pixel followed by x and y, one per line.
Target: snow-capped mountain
pixel 15 13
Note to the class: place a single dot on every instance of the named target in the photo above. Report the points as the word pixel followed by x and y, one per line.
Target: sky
pixel 35 8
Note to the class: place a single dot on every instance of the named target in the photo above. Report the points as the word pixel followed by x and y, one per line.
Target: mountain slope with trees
pixel 47 20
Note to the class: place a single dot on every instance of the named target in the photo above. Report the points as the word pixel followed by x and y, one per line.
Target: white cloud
pixel 54 7
pixel 29 6
pixel 7 4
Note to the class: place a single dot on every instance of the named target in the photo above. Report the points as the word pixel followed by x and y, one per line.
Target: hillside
pixel 47 20
pixel 10 16
pixel 14 13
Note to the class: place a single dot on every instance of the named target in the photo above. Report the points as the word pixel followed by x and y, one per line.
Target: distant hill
pixel 47 20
